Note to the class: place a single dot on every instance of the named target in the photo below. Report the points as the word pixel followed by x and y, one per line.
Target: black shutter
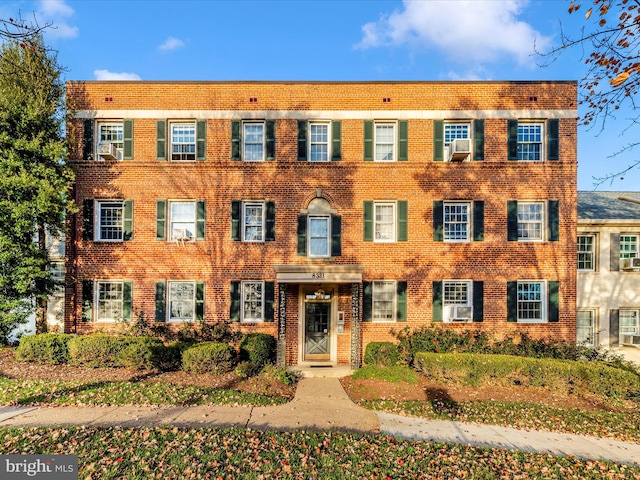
pixel 201 139
pixel 87 140
pixel 127 138
pixel 161 139
pixel 554 301
pixel 302 235
pixel 87 300
pixel 128 220
pixel 401 307
pixel 614 328
pixel 554 220
pixel 161 220
pixel 553 139
pixel 512 220
pixel 512 301
pixel 437 302
pixel 478 221
pixel 236 212
pixel 368 140
pixel 87 219
pixel 438 140
pixel 478 140
pixel 269 298
pixel 614 252
pixel 234 309
pixel 127 301
pixel 303 126
pixel 368 221
pixel 403 140
pixel 161 311
pixel 270 223
pixel 367 301
pixel 201 215
pixel 336 236
pixel 478 301
pixel 512 144
pixel 200 302
pixel 236 140
pixel 438 220
pixel 403 221
pixel 270 144
pixel 336 141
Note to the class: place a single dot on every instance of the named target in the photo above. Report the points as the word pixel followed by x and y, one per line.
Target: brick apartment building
pixel 325 213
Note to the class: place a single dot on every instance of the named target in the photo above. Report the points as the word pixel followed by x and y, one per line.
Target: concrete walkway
pixel 322 404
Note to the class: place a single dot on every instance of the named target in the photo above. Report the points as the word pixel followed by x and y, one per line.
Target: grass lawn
pixel 163 453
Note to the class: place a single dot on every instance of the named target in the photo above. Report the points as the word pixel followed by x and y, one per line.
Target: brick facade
pixel 345 185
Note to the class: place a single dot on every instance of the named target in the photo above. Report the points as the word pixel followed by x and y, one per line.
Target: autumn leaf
pixel 620 79
pixel 588 14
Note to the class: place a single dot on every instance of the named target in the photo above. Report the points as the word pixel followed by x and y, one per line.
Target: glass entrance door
pixel 317 326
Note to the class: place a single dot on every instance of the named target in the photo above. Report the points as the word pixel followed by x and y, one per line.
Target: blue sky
pixel 327 40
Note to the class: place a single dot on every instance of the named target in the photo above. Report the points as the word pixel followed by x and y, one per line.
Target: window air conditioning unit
pixel 459 313
pixel 180 234
pixel 630 264
pixel 630 339
pixel 107 150
pixel 459 149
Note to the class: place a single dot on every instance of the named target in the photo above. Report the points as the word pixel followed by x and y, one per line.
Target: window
pixel 384 222
pixel 530 221
pixel 109 300
pixel 457 301
pixel 529 142
pixel 110 141
pixel 384 301
pixel 183 141
pixel 458 140
pixel 385 140
pixel 319 142
pixel 253 301
pixel 253 222
pixel 457 150
pixel 319 235
pixel 585 328
pixel 180 220
pixel 531 296
pixel 111 221
pixel 183 220
pixel 629 325
pixel 253 142
pixel 586 245
pixel 456 221
pixel 628 246
pixel 182 301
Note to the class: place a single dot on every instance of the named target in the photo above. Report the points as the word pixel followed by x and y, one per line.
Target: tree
pixel 34 177
pixel 20 29
pixel 610 41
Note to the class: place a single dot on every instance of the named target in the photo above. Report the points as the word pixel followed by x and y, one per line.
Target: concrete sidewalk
pixel 322 404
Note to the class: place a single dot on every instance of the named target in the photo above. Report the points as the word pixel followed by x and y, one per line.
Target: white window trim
pixel 98 221
pixel 171 237
pixel 120 150
pixel 328 219
pixel 594 243
pixel 394 143
pixel 394 301
pixel 543 222
pixel 542 139
pixel 446 306
pixel 634 254
pixel 168 305
pixel 96 296
pixel 244 140
pixel 469 137
pixel 594 325
pixel 394 223
pixel 195 139
pixel 469 206
pixel 310 143
pixel 246 203
pixel 544 300
pixel 243 319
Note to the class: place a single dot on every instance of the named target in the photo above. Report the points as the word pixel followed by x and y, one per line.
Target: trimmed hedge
pixel 45 348
pixel 563 375
pixel 384 354
pixel 258 348
pixel 209 357
pixel 98 350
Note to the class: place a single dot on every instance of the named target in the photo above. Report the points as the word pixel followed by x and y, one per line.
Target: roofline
pixel 334 82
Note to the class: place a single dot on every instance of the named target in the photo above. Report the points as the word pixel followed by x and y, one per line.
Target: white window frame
pixel 188 156
pixel 170 300
pixel 260 301
pixel 588 340
pixel 541 222
pixel 524 139
pixel 378 297
pixel 326 143
pixel 245 143
pixel 100 218
pixel 469 213
pixel 586 252
pixel 378 224
pixel 378 143
pixel 448 304
pixel 310 220
pixel 173 228
pixel 631 329
pixel 447 141
pixel 245 219
pixel 118 142
pixel 113 301
pixel 628 253
pixel 542 301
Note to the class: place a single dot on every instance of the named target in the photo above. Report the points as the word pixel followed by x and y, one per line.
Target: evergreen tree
pixel 35 179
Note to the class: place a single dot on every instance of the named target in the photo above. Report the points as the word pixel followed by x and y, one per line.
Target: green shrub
pixel 196 332
pixel 563 375
pixel 394 374
pixel 381 353
pixel 280 374
pixel 45 348
pixel 209 357
pixel 141 353
pixel 258 348
pixel 100 350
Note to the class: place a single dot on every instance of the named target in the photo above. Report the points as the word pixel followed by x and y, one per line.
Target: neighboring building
pixel 325 213
pixel 608 269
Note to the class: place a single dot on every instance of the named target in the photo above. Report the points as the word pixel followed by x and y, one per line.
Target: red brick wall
pixel 346 185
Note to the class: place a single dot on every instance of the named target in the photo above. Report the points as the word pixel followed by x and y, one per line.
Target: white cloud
pixel 107 75
pixel 171 43
pixel 464 30
pixel 57 12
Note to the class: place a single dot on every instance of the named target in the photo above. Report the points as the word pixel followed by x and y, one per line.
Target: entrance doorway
pixel 317 325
